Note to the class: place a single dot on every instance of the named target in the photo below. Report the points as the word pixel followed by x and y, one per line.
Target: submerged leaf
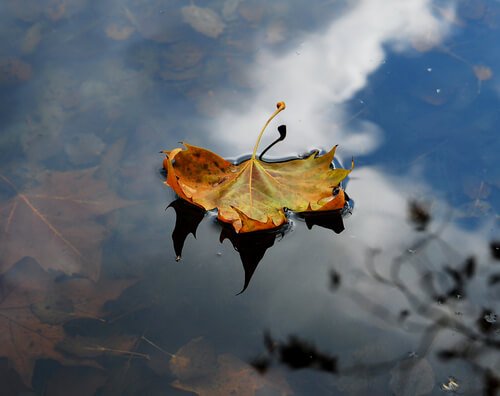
pixel 203 20
pixel 34 305
pixel 57 223
pixel 201 371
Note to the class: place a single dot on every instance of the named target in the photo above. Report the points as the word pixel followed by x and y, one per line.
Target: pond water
pixel 404 301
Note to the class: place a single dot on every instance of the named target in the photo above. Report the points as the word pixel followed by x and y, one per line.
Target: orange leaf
pixel 253 195
pixel 34 307
pixel 56 222
pixel 201 371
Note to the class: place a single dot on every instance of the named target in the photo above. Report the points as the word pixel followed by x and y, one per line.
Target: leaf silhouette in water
pixel 34 306
pixel 251 248
pixel 188 217
pixel 252 196
pixel 59 218
pixel 331 220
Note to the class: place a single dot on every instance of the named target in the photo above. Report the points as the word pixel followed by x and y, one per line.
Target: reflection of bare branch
pixel 431 308
pixel 477 341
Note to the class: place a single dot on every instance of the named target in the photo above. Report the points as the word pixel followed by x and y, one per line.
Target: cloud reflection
pixel 322 72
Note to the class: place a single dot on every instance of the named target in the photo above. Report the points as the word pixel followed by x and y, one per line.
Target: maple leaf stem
pixel 25 199
pixel 158 347
pixel 99 348
pixel 280 107
pixel 8 182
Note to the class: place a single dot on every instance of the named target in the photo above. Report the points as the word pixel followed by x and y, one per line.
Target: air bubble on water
pixel 490 318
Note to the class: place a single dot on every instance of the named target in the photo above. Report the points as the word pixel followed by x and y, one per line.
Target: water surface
pixel 403 301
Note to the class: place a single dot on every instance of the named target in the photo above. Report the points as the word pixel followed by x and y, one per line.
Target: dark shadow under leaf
pixel 331 220
pixel 251 246
pixel 188 217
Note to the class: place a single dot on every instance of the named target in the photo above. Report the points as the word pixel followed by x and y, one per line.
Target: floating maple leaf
pixel 253 195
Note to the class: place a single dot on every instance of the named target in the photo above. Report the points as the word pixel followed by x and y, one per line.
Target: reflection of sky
pixel 326 69
pixel 359 81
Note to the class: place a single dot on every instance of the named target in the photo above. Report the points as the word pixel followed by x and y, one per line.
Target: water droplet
pixel 438 90
pixel 429 69
pixel 451 386
pixel 219 254
pixel 490 318
pixel 178 258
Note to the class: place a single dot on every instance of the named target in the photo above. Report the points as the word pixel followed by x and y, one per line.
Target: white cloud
pixel 321 74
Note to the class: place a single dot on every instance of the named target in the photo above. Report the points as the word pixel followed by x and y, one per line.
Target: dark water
pixel 403 301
